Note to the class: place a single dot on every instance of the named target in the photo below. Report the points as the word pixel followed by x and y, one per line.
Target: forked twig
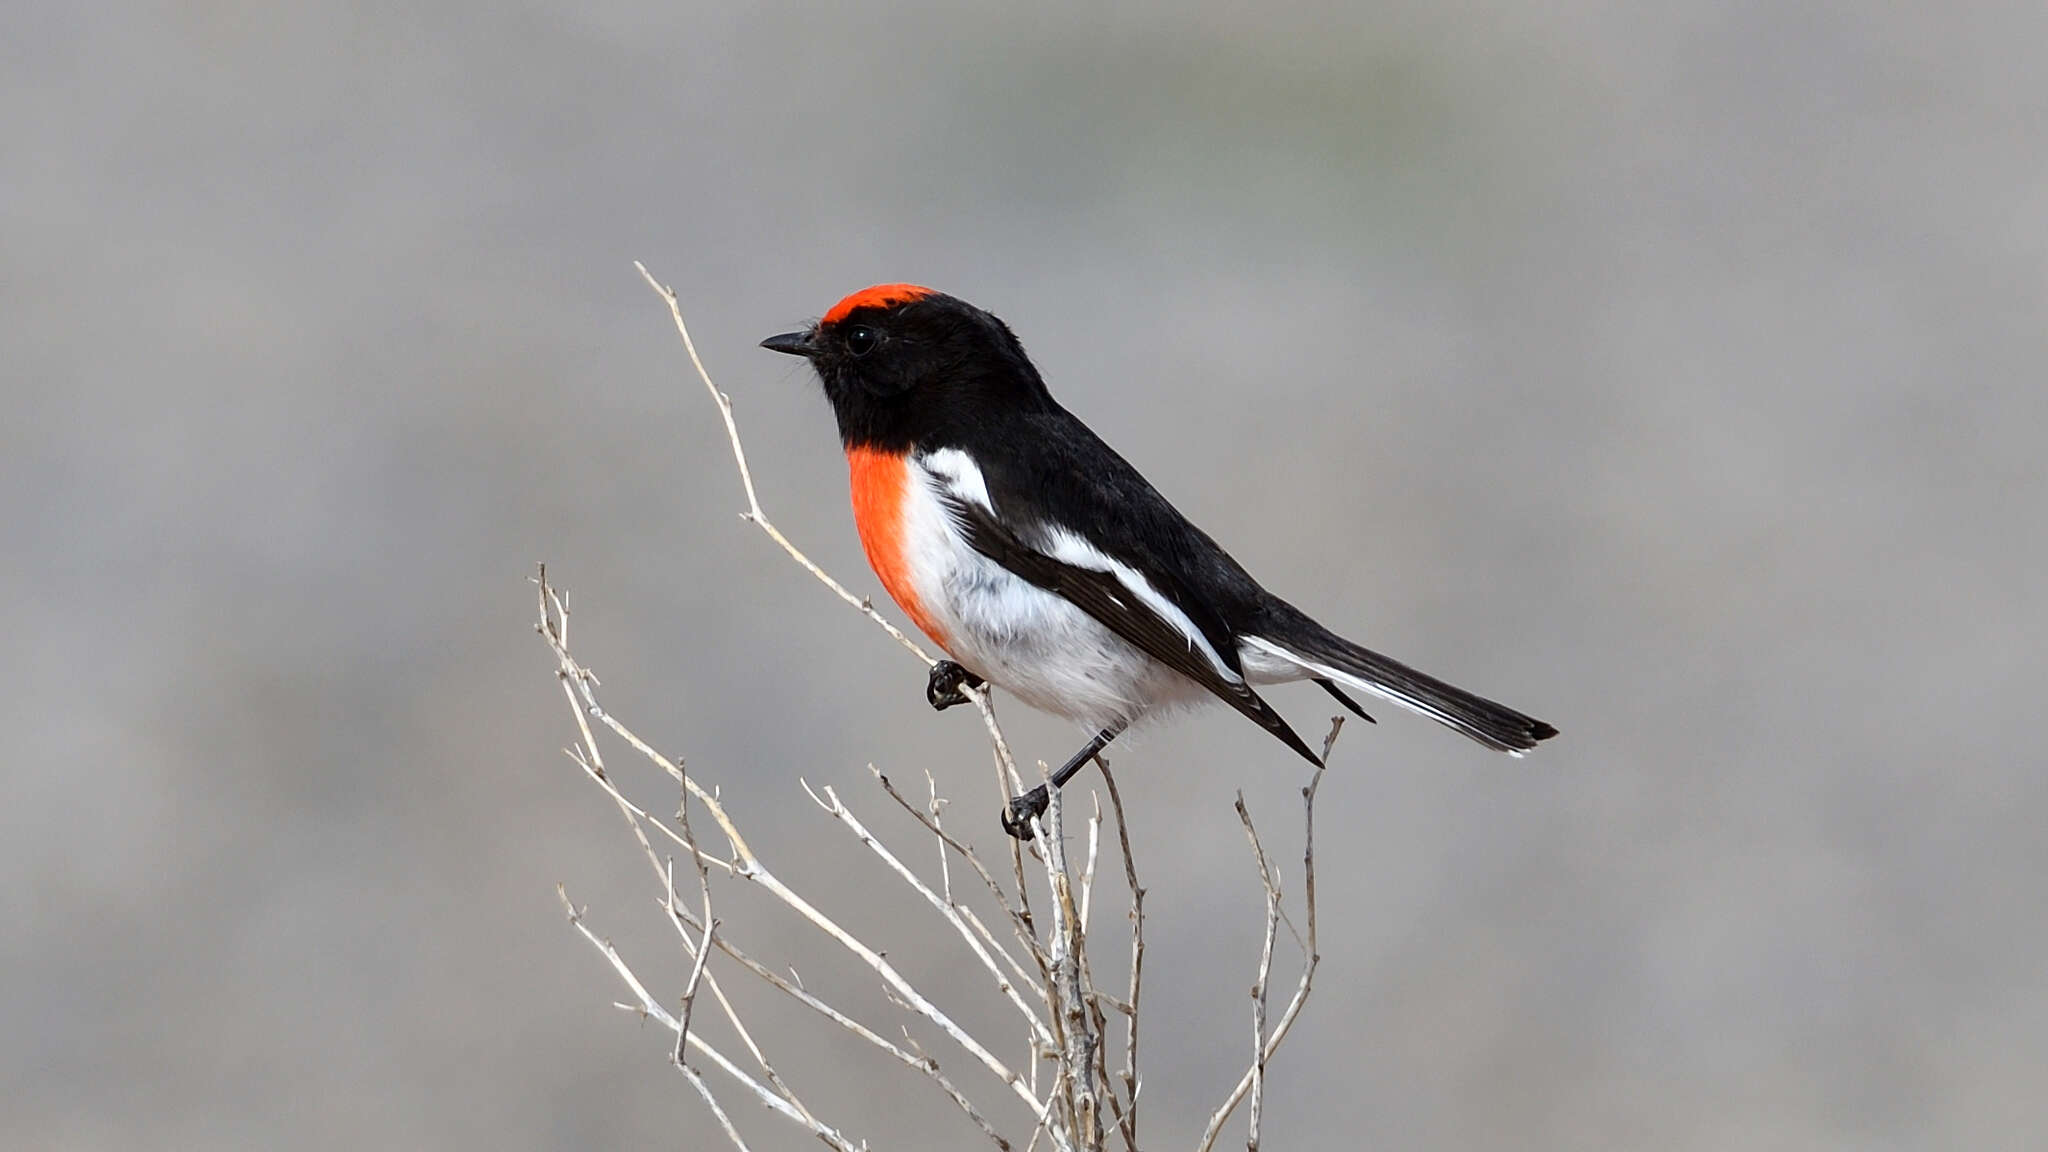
pixel 745 865
pixel 1128 1121
pixel 948 911
pixel 649 1007
pixel 1263 1051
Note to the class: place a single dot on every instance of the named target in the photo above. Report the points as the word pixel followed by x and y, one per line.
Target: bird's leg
pixel 1019 812
pixel 943 689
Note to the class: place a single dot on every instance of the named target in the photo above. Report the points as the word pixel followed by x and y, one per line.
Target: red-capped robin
pixel 1043 563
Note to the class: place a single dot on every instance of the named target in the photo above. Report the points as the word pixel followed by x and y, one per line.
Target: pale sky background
pixel 1675 374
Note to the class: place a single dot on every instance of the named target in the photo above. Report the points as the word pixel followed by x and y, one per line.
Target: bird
pixel 1044 563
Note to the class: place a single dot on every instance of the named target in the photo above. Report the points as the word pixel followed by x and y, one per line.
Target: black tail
pixel 1327 654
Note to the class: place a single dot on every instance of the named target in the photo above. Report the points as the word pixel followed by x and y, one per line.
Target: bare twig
pixel 648 1006
pixel 933 807
pixel 1088 868
pixel 795 991
pixel 724 1121
pixel 554 625
pixel 580 683
pixel 1272 886
pixel 1077 1038
pixel 830 802
pixel 696 969
pixel 1308 969
pixel 1129 1119
pixel 710 924
pixel 1018 923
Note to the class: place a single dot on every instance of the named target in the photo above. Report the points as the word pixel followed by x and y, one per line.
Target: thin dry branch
pixel 1071 975
pixel 930 819
pixel 724 1122
pixel 652 1008
pixel 745 865
pixel 1263 1052
pixel 554 625
pixel 1128 1120
pixel 1271 881
pixel 948 911
pixel 795 991
pixel 696 979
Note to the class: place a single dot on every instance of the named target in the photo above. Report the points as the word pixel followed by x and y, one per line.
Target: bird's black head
pixel 906 366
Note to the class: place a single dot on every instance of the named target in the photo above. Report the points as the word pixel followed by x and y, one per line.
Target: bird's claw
pixel 1022 810
pixel 943 689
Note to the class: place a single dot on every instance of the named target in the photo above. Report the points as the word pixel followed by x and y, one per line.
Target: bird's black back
pixel 1052 471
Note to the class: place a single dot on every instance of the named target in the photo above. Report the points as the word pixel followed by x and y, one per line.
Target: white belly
pixel 1029 642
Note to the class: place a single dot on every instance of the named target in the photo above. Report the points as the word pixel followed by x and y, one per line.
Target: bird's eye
pixel 861 339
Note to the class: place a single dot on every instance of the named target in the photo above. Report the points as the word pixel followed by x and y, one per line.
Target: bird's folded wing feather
pixel 1197 644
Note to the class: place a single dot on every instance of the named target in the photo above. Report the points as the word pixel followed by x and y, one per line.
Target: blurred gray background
pixel 1676 375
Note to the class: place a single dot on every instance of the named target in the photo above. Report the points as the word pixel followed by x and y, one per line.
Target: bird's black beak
pixel 791 344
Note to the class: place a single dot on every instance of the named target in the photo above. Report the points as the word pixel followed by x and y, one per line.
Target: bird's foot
pixel 1022 810
pixel 943 689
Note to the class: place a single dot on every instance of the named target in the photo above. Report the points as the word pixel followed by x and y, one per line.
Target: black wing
pixel 1105 598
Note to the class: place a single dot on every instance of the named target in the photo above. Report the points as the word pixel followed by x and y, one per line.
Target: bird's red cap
pixel 879 296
